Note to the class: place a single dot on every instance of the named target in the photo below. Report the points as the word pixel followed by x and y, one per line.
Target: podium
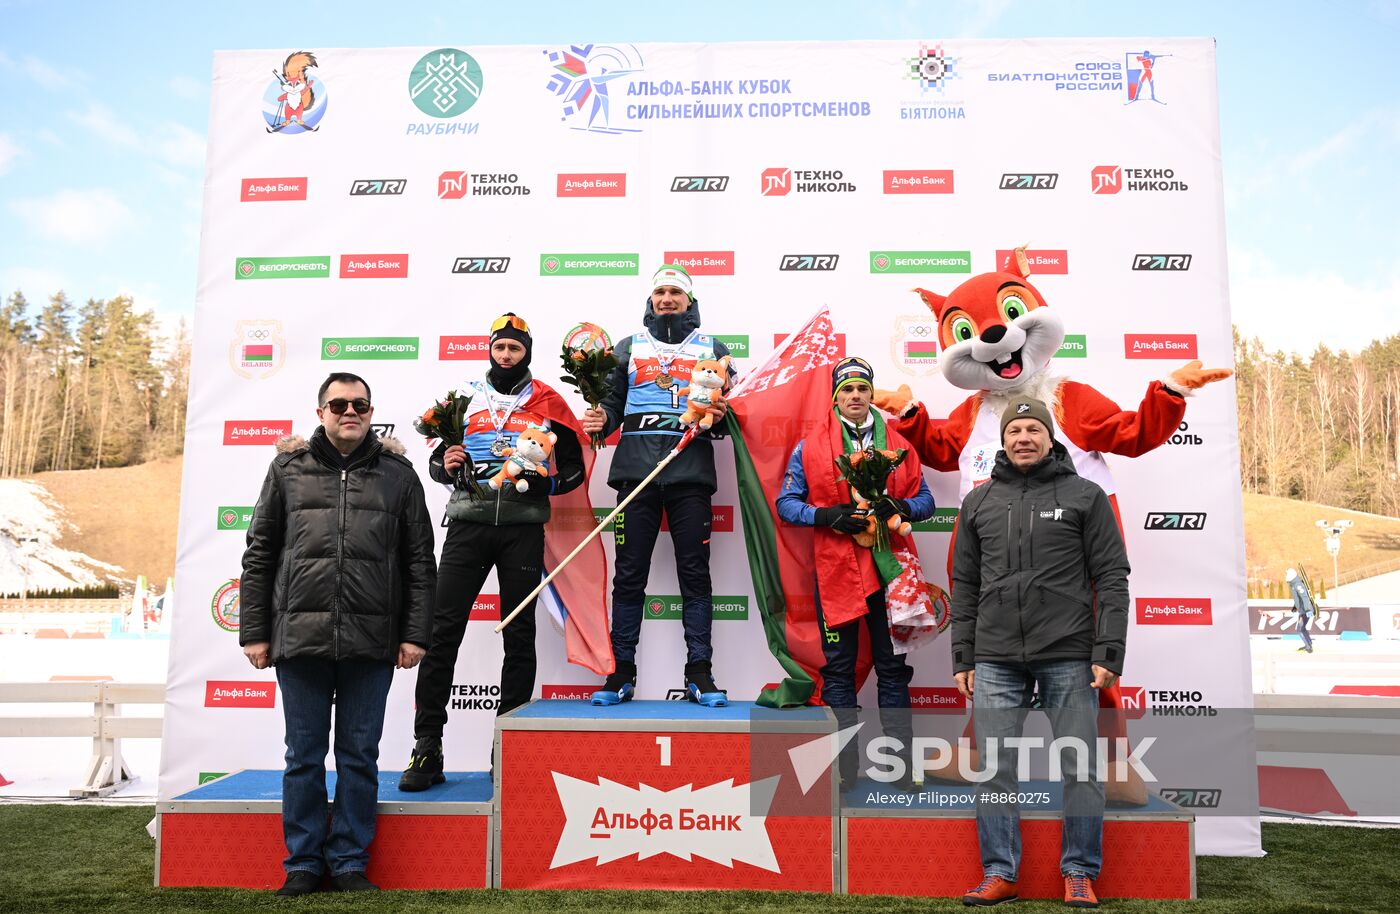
pixel 663 795
pixel 228 832
pixel 925 844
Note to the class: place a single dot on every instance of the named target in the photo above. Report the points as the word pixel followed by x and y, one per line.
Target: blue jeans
pixel 1001 700
pixel 358 689
pixel 688 512
pixel 1303 620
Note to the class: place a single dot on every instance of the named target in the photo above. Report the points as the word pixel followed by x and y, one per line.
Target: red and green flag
pixel 784 399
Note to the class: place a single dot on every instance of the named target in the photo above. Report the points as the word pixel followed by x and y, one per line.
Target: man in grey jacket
pixel 337 589
pixel 1040 604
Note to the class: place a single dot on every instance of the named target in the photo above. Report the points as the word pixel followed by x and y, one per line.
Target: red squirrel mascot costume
pixel 996 337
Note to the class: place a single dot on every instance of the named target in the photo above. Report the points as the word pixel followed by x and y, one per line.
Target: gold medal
pixel 665 381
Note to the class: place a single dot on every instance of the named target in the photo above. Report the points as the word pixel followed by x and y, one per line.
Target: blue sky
pixel 103 110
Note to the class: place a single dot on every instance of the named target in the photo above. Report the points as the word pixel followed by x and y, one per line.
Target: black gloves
pixel 536 482
pixel 841 518
pixel 888 507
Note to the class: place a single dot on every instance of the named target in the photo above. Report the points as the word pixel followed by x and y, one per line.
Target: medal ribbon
pixel 498 421
pixel 666 355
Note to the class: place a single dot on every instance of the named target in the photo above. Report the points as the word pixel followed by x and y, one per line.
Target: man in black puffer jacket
pixel 337 588
pixel 1040 604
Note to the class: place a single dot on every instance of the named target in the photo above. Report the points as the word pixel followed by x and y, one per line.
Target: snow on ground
pixel 30 528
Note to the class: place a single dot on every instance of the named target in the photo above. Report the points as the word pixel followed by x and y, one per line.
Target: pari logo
pixel 478 264
pixel 914 345
pixel 1033 180
pixel 581 78
pixel 1141 67
pixel 295 101
pixel 377 187
pixel 699 184
pixel 224 606
pixel 808 263
pixel 724 822
pixel 933 69
pixel 258 349
pixel 1175 520
pixel 1177 263
pixel 445 83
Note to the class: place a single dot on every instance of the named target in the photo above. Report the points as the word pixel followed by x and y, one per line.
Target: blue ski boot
pixel 620 686
pixel 700 686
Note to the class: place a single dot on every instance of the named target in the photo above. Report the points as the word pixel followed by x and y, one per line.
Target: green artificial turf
pixel 62 858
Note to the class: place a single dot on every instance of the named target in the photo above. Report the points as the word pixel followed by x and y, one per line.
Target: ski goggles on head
pixel 510 320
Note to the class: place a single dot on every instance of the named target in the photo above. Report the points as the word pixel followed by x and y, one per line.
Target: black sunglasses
pixel 340 404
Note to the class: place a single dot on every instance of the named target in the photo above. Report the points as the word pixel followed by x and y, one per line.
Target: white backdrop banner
pixel 373 210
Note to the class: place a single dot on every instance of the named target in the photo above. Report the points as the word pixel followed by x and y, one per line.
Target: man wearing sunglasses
pixel 337 590
pixel 646 404
pixel 507 531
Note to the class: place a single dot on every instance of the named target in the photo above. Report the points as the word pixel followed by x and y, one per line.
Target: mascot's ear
pixel 933 300
pixel 553 438
pixel 1019 265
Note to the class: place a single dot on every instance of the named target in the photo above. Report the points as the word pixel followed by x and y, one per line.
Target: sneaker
pixel 424 766
pixel 620 685
pixel 1079 891
pixel 700 686
pixel 352 881
pixel 991 890
pixel 299 882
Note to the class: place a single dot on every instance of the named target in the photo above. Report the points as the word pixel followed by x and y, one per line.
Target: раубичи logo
pixel 581 76
pixel 295 101
pixel 445 82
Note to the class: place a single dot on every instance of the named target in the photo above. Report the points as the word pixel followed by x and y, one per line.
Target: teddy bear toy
pixel 707 382
pixel 531 452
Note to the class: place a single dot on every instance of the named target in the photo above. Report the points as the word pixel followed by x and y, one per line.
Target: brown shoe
pixel 1079 891
pixel 992 890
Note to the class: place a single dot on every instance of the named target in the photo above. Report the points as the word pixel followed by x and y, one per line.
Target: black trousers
pixel 468 555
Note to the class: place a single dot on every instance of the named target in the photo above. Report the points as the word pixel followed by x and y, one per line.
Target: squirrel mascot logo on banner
pixel 996 337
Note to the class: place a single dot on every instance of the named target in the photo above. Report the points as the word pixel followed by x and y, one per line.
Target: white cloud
pixel 8 152
pixel 75 216
pixel 1371 131
pixel 1297 311
pixel 46 75
pixel 182 147
pixel 37 285
pixel 48 136
pixel 105 123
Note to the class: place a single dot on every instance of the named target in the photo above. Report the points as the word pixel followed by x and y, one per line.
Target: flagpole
pixel 665 462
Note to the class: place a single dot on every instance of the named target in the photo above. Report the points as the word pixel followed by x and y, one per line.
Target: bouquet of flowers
pixel 445 421
pixel 868 473
pixel 588 360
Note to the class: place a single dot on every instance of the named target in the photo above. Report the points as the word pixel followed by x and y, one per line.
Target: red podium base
pixel 229 833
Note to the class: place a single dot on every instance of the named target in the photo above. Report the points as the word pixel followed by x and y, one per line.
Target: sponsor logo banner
pixel 593 184
pixel 1175 520
pixel 1331 621
pixel 703 263
pixel 481 265
pixel 721 518
pixel 342 348
pixel 1159 346
pixel 914 344
pixel 373 266
pixel 808 263
pixel 699 184
pixel 224 605
pixel 1162 262
pixel 921 261
pixel 234 517
pixel 738 344
pixel 206 776
pixel 463 348
pixel 936 181
pixel 228 693
pixel 282 268
pixel 445 83
pixel 487 608
pixel 272 189
pixel 1043 180
pixel 1112 179
pixel 1042 262
pixel 625 264
pixel 1173 610
pixel 452 185
pixel 941 522
pixel 779 182
pixel 1075 346
pixel 936 698
pixel 377 187
pixel 668 606
pixel 567 692
pixel 255 431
